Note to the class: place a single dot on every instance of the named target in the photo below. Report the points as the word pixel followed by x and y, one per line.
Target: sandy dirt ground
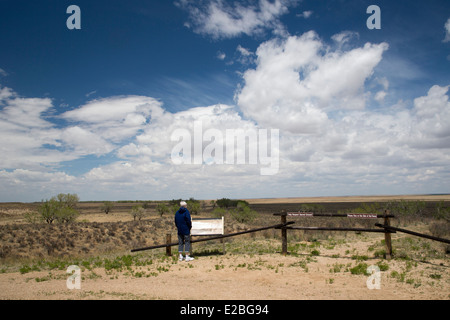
pixel 237 277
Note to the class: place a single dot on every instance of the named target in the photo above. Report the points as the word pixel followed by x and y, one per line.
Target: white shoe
pixel 180 258
pixel 189 258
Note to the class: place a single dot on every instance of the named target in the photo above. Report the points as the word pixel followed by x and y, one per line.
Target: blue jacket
pixel 183 221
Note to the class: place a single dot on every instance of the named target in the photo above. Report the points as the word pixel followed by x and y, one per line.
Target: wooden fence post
pixel 387 236
pixel 283 233
pixel 168 248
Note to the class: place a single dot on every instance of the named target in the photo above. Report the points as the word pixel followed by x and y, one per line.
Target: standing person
pixel 184 225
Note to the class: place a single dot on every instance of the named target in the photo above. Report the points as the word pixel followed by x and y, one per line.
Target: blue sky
pixel 91 111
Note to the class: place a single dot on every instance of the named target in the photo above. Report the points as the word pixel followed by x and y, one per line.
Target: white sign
pixel 207 227
pixel 362 215
pixel 301 214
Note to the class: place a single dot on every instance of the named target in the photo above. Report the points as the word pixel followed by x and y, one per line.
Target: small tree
pixel 60 208
pixel 48 210
pixel 174 208
pixel 162 208
pixel 68 200
pixel 66 214
pixel 137 212
pixel 107 207
pixel 224 203
pixel 193 206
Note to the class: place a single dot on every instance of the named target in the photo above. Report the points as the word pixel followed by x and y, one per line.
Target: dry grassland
pixel 320 265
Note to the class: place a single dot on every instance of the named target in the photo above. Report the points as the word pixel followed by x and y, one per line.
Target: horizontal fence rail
pixel 276 226
pixel 285 225
pixel 346 215
pixel 339 229
pixel 386 216
pixel 389 228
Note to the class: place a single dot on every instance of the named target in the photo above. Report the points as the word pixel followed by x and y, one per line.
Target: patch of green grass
pixel 360 268
pixel 337 267
pixel 399 276
pixel 219 266
pixel 435 276
pixel 26 268
pixel 383 266
pixel 360 257
pixel 42 279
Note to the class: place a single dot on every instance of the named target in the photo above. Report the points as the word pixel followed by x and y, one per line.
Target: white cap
pixel 183 204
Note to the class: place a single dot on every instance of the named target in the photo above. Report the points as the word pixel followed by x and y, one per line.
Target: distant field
pixel 440 197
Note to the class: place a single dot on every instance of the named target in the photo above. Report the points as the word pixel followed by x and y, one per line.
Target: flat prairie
pixel 379 198
pixel 320 265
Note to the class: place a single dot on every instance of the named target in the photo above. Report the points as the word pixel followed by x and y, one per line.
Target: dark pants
pixel 186 241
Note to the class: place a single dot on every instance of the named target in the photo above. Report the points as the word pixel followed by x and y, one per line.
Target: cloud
pixel 245 56
pixel 84 142
pixel 220 19
pixel 221 55
pixel 35 185
pixel 304 14
pixel 91 93
pixel 32 140
pixel 6 93
pixel 243 51
pixel 315 93
pixel 297 80
pixel 447 31
pixel 25 130
pixel 344 37
pixel 431 118
pixel 356 151
pixel 115 118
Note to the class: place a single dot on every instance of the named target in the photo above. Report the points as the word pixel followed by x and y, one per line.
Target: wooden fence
pixel 171 244
pixel 386 216
pixel 285 225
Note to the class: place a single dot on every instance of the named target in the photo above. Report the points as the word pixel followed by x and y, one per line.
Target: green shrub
pixel 243 213
pixel 218 212
pixel 162 208
pixel 360 268
pixel 227 203
pixel 137 212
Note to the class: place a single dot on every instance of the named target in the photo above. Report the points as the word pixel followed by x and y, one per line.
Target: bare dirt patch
pixel 237 276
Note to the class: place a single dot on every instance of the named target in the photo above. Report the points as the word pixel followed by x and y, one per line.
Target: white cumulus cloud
pixel 447 31
pixel 296 81
pixel 220 19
